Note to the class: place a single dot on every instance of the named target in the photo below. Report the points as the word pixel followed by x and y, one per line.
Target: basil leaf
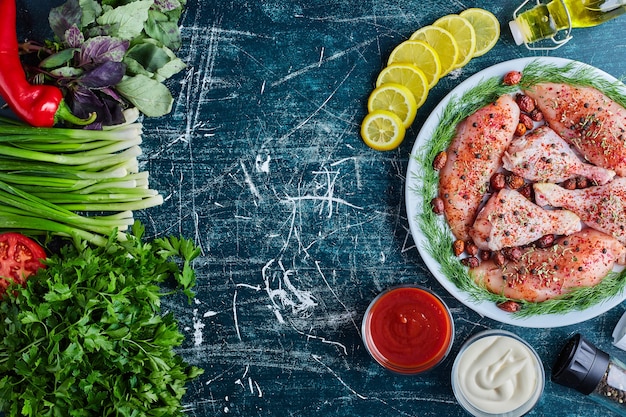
pixel 74 37
pixel 150 96
pixel 60 58
pixel 66 72
pixel 171 68
pixel 101 49
pixel 105 75
pixel 91 10
pixel 127 21
pixel 165 31
pixel 63 17
pixel 149 55
pixel 166 5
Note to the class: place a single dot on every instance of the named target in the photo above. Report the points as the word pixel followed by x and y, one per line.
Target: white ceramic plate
pixel 414 204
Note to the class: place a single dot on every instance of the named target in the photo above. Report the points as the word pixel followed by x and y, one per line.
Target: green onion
pixel 50 175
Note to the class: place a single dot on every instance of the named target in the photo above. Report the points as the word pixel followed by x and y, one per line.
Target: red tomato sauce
pixel 408 330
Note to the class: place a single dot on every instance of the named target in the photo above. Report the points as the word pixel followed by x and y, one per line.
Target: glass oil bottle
pixel 556 19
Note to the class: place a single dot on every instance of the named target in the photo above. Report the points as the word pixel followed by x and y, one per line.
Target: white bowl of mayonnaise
pixel 496 373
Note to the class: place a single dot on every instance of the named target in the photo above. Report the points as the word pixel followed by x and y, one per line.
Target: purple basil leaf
pixel 83 102
pixel 166 5
pixel 102 49
pixel 111 92
pixel 74 37
pixel 63 17
pixel 105 75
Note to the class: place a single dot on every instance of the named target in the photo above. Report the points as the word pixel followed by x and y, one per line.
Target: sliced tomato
pixel 20 257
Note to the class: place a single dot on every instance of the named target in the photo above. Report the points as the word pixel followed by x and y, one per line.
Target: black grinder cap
pixel 580 365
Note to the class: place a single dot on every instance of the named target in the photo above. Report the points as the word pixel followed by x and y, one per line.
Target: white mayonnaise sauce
pixel 497 374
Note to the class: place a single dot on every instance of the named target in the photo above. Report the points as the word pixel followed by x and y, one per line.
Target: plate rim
pixel 487 308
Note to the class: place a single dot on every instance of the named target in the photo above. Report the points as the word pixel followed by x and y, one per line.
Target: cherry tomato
pixel 19 258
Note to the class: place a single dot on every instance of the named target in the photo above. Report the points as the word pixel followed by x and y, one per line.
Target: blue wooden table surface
pixel 301 224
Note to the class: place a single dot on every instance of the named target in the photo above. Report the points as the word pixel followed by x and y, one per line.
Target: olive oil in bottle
pixel 546 20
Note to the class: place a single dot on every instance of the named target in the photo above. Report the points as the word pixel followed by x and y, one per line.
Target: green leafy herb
pixel 86 336
pixel 437 233
pixel 107 56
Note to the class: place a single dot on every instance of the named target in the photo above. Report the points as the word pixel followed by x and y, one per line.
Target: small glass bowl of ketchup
pixel 408 329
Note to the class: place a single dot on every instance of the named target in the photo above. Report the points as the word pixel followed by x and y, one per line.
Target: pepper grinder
pixel 591 371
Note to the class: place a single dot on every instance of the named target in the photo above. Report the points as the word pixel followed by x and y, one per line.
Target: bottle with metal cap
pixel 555 19
pixel 591 371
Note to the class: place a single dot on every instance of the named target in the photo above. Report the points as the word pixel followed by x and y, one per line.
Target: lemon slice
pixel 382 130
pixel 486 26
pixel 463 33
pixel 397 99
pixel 407 75
pixel 443 42
pixel 420 54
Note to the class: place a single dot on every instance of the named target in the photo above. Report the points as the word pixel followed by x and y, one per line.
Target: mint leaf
pixel 127 21
pixel 149 96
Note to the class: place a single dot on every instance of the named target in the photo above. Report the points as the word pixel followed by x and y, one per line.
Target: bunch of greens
pixel 86 336
pixel 108 55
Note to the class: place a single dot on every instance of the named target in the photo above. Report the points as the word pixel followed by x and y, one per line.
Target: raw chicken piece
pixel 510 219
pixel 602 208
pixel 473 156
pixel 580 260
pixel 585 117
pixel 544 156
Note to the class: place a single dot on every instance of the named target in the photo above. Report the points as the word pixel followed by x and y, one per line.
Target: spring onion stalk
pixel 72 182
pixel 42 169
pixel 20 222
pixel 17 201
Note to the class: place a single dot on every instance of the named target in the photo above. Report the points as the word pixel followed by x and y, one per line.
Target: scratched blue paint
pixel 300 224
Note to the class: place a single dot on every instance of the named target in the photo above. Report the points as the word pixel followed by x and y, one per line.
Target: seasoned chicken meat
pixel 544 156
pixel 579 260
pixel 473 156
pixel 509 219
pixel 602 207
pixel 586 118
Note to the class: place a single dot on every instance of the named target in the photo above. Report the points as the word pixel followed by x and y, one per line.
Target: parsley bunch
pixel 86 336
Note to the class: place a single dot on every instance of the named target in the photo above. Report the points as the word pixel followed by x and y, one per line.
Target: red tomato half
pixel 19 258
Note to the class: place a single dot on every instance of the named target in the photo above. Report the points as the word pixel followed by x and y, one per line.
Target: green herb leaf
pixel 150 96
pixel 60 58
pixel 160 28
pixel 91 10
pixel 127 19
pixel 149 55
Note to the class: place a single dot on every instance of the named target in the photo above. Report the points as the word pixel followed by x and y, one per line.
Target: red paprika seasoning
pixel 37 105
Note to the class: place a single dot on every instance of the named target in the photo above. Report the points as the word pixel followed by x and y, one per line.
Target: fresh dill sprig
pixel 437 233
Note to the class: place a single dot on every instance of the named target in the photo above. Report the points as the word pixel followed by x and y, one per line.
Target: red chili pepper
pixel 37 105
